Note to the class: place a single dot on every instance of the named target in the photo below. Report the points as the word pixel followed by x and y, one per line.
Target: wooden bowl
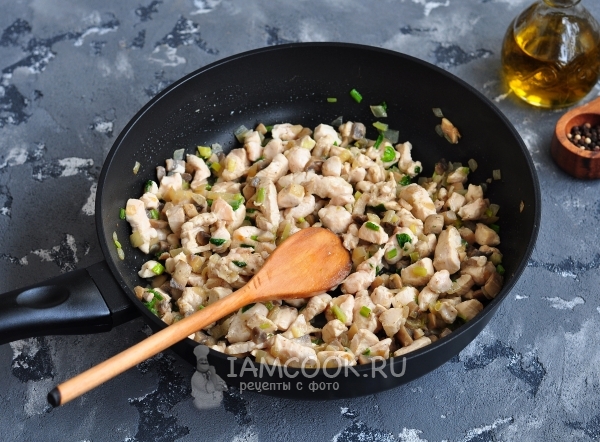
pixel 580 163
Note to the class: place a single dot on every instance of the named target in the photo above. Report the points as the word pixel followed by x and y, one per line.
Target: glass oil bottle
pixel 551 53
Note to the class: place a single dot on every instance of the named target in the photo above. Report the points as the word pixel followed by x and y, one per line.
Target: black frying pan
pixel 289 83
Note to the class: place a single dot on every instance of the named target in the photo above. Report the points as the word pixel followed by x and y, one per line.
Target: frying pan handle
pixel 80 302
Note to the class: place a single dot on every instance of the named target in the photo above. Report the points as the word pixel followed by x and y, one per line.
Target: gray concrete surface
pixel 73 73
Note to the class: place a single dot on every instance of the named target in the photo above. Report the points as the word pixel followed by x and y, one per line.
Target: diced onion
pixel 136 167
pixel 392 135
pixel 378 111
pixel 496 174
pixel 472 164
pixel 240 133
pixel 438 112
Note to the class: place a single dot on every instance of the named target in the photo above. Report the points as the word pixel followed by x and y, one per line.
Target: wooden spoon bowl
pixel 580 163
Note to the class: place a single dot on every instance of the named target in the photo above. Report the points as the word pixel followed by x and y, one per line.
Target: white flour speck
pixel 563 304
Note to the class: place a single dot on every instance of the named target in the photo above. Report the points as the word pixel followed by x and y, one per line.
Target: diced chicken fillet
pixel 135 214
pixel 336 188
pixel 486 236
pixel 362 340
pixel 382 296
pixel 454 202
pixel 283 316
pixel 286 131
pixel 345 303
pixel 290 196
pixel 332 166
pixel 419 199
pixel 238 330
pixel 287 350
pixel 275 170
pixel 272 148
pixel 150 200
pixel 473 210
pixel 305 208
pixel 417 344
pixel 392 320
pixel 332 330
pixel 316 305
pixel 253 145
pixel 332 359
pixel 335 218
pixel 191 299
pixel 406 163
pixel 419 273
pixel 440 282
pixel 297 158
pixel 201 171
pixel 404 296
pixel 446 252
pixel 373 233
pixel 426 299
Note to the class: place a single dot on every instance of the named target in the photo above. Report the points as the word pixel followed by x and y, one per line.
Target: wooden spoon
pixel 309 262
pixel 580 163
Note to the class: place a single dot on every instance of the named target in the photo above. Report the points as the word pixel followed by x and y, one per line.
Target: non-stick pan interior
pixel 291 83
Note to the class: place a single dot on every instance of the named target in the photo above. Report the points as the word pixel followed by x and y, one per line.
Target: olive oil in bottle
pixel 551 53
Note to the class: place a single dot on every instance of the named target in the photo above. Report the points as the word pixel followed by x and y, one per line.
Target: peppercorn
pixel 585 137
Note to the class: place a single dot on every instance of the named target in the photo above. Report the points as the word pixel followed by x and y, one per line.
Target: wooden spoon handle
pixel 149 347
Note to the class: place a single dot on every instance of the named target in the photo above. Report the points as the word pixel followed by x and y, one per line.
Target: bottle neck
pixel 561 3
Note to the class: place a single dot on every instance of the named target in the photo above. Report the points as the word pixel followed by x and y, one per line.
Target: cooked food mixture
pixel 425 257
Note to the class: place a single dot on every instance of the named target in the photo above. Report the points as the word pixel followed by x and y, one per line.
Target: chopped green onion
pixel 148 186
pixel 250 210
pixel 238 199
pixel 301 219
pixel 380 126
pixel 389 154
pixel 384 105
pixel 420 271
pixel 247 246
pixel 247 307
pixel 254 237
pixel 200 307
pixel 356 95
pixel 269 128
pixel 404 181
pixel 317 341
pixel 378 141
pixel 122 213
pixel 156 294
pixel 209 202
pixel 417 169
pixel 372 226
pixel 338 313
pixel 414 257
pixel 217 241
pixel 158 269
pixel 367 352
pixel 365 311
pixel 239 263
pixel 403 238
pixel 264 326
pixel 378 111
pixel 216 167
pixel 118 244
pixel 392 135
pixel 154 214
pixel 260 195
pixel 331 100
pixel 392 253
pixel 269 305
pixel 205 152
pixel 500 269
pixel 495 228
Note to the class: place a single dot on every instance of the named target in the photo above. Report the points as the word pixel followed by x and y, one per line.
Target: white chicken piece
pixel 150 200
pixel 301 178
pixel 426 246
pixel 350 238
pixel 253 145
pixel 286 131
pixel 426 299
pixel 392 320
pixel 419 199
pixel 440 282
pixel 275 170
pixel 335 358
pixel 287 350
pixel 336 188
pixel 316 305
pixel 404 296
pixel 332 166
pixel 201 171
pixel 446 252
pixel 417 344
pixel 305 208
pixel 191 228
pixel 176 217
pixel 262 322
pixel 246 235
pixel 454 202
pixel 419 273
pixel 191 299
pixel 323 130
pixel 146 270
pixel 135 214
pixel 216 293
pixel 373 233
pixel 236 165
pixel 238 330
pixel 272 148
pixel 406 219
pixel 406 163
pixel 335 218
pixel 362 340
pixel 222 209
pixel 382 296
pixel 473 193
pixel 169 183
pixel 360 320
pixel 357 175
pixel 297 158
pixel 290 196
pixel 343 304
pixel 242 348
pixel 269 217
pixel 299 328
pixel 283 316
pixel 473 210
pixel 332 330
pixel 479 268
pixel 486 236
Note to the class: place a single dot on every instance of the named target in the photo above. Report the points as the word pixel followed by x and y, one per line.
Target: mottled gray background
pixel 74 73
